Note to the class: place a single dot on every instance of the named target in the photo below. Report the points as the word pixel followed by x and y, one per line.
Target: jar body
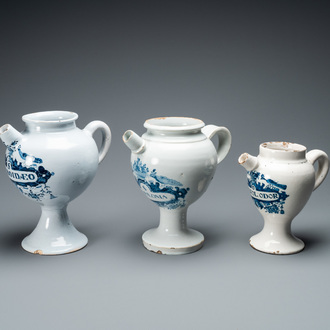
pixel 175 174
pixel 52 167
pixel 281 189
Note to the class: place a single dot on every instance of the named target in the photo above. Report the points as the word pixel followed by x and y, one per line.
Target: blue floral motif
pixel 267 194
pixel 27 173
pixel 165 192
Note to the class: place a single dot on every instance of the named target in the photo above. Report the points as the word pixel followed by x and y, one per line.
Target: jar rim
pixel 174 123
pixel 53 116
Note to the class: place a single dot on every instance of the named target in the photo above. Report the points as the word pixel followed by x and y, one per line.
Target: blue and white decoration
pixel 267 194
pixel 27 173
pixel 163 191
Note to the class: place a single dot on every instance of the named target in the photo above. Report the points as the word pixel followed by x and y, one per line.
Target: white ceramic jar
pixel 173 163
pixel 281 180
pixel 52 162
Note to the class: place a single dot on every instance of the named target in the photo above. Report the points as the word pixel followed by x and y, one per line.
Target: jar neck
pixel 283 151
pixel 175 136
pixel 50 121
pixel 174 129
pixel 49 127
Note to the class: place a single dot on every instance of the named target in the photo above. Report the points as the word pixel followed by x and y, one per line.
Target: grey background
pixel 260 68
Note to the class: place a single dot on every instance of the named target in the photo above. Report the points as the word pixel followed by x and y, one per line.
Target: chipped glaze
pixel 173 164
pixel 52 162
pixel 281 180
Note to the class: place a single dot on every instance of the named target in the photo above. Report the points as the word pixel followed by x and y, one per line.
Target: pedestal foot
pixel 54 234
pixel 285 245
pixel 187 241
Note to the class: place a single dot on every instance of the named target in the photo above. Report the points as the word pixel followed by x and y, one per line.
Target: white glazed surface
pixel 288 165
pixel 174 149
pixel 70 158
pixel 73 159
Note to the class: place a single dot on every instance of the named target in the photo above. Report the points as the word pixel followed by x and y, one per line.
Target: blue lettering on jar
pixel 165 192
pixel 27 173
pixel 267 194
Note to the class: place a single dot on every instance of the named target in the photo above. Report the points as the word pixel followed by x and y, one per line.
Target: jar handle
pixel 224 137
pixel 323 165
pixel 92 127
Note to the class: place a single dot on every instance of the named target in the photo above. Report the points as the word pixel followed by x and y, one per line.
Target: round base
pixel 47 245
pixel 288 244
pixel 183 242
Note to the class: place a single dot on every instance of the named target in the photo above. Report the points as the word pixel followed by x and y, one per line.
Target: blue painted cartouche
pixel 165 192
pixel 267 194
pixel 27 173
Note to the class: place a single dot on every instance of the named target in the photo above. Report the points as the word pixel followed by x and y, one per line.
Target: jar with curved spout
pixel 281 180
pixel 52 162
pixel 173 163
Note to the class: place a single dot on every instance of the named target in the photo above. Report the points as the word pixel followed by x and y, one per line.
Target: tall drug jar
pixel 52 162
pixel 173 164
pixel 281 179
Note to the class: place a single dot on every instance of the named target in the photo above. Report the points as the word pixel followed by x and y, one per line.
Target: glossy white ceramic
pixel 52 162
pixel 173 163
pixel 281 180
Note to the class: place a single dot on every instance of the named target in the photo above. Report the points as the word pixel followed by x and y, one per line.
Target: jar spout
pixel 9 134
pixel 134 142
pixel 248 162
